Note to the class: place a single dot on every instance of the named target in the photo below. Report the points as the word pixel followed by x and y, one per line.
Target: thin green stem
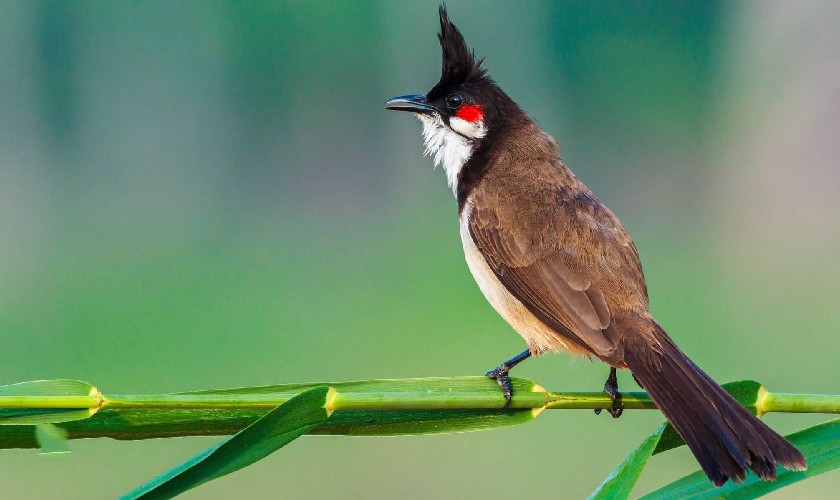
pixel 193 401
pixel 772 402
pixel 597 400
pixel 367 407
pixel 341 401
pixel 50 402
pixel 433 400
pixel 800 403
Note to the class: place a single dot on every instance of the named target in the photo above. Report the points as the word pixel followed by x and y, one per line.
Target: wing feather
pixel 560 252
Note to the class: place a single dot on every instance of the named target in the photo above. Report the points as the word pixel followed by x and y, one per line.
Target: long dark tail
pixel 723 435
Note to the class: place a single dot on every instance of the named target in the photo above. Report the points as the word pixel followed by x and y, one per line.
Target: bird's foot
pixel 501 375
pixel 611 388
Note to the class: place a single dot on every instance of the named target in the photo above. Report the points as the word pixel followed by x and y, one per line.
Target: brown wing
pixel 559 251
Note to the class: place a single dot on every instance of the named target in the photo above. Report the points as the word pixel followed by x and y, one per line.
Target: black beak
pixel 416 103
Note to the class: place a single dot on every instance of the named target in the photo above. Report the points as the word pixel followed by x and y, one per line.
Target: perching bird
pixel 559 266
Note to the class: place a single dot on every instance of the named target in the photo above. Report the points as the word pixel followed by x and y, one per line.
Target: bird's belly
pixel 539 337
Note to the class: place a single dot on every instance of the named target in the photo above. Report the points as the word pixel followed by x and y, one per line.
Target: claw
pixel 611 388
pixel 501 375
pixel 617 407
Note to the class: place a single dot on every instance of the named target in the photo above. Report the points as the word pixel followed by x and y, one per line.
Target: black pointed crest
pixel 459 63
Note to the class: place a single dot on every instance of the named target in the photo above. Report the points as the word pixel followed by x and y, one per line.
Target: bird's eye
pixel 454 101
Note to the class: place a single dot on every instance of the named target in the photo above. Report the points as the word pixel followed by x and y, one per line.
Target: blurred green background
pixel 207 194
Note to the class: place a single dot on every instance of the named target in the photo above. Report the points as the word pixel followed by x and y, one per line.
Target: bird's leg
pixel 500 374
pixel 611 388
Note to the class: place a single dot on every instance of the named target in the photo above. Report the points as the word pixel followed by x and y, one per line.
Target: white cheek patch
pixel 473 130
pixel 450 147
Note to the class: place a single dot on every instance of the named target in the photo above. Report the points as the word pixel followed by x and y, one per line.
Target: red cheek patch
pixel 472 113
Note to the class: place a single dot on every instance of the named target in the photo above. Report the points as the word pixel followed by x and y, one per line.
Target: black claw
pixel 611 388
pixel 501 375
pixel 617 408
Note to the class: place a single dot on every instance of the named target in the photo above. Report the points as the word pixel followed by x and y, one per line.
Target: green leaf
pixel 820 444
pixel 77 400
pixel 746 392
pixel 279 427
pixel 52 440
pixel 412 422
pixel 57 387
pixel 619 484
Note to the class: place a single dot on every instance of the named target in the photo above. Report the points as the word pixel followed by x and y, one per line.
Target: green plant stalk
pixel 372 401
pixel 596 401
pixel 361 408
pixel 799 403
pixel 50 402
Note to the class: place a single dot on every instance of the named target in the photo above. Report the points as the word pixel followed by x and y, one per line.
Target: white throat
pixel 450 147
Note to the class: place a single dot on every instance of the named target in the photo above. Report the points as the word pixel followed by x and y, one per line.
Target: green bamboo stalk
pixel 800 403
pixel 597 401
pixel 373 401
pixel 367 407
pixel 342 401
pixel 50 402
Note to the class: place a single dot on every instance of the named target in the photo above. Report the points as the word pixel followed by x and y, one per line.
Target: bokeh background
pixel 208 194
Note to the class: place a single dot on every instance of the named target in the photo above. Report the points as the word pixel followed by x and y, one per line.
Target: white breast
pixel 540 338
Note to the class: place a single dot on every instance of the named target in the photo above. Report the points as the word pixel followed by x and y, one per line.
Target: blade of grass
pixel 151 424
pixel 279 427
pixel 820 444
pixel 52 440
pixel 412 422
pixel 619 484
pixel 56 387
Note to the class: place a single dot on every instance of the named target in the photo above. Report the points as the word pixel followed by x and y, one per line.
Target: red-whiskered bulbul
pixel 559 266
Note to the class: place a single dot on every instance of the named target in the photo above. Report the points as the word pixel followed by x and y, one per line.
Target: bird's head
pixel 461 110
